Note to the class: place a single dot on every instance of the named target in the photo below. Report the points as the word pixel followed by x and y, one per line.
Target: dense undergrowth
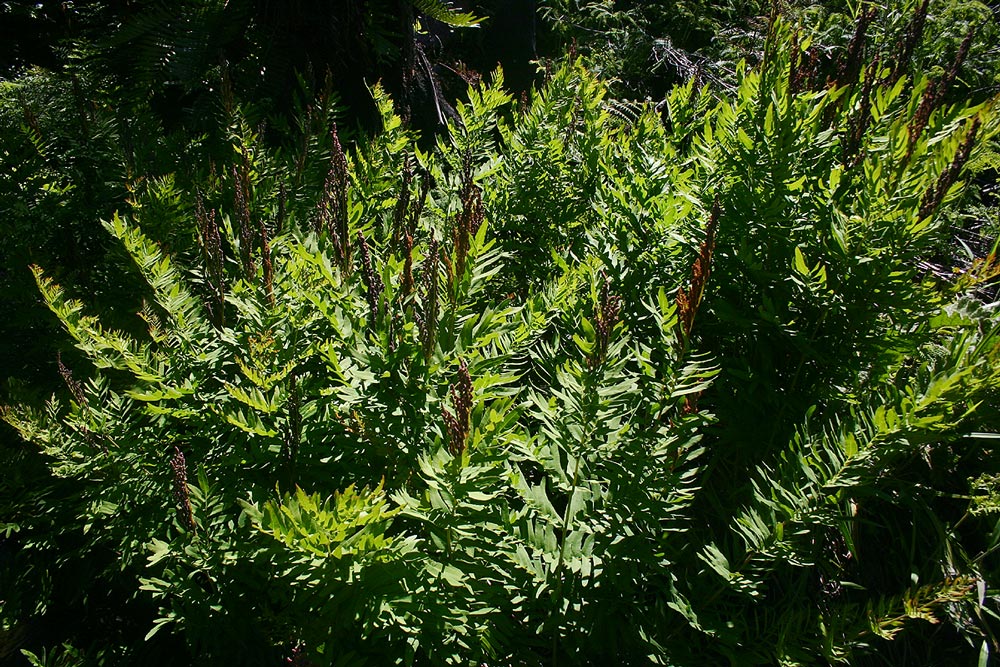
pixel 587 382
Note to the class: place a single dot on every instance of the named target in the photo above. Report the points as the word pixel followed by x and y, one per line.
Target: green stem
pixel 587 431
pixel 560 562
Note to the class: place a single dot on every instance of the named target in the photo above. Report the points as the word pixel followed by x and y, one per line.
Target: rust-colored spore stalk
pixel 458 424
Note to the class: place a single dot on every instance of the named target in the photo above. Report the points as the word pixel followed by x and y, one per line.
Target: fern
pixel 442 11
pixel 573 386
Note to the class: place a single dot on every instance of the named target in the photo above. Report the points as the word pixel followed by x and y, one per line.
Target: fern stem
pixel 561 562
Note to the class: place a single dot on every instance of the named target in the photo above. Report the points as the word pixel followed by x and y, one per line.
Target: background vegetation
pixel 682 351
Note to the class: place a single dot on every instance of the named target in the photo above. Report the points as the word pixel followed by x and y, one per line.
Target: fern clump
pixel 576 386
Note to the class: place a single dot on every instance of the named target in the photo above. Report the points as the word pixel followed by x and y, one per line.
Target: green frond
pixel 350 524
pixel 106 349
pixel 889 616
pixel 442 10
pixel 189 325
